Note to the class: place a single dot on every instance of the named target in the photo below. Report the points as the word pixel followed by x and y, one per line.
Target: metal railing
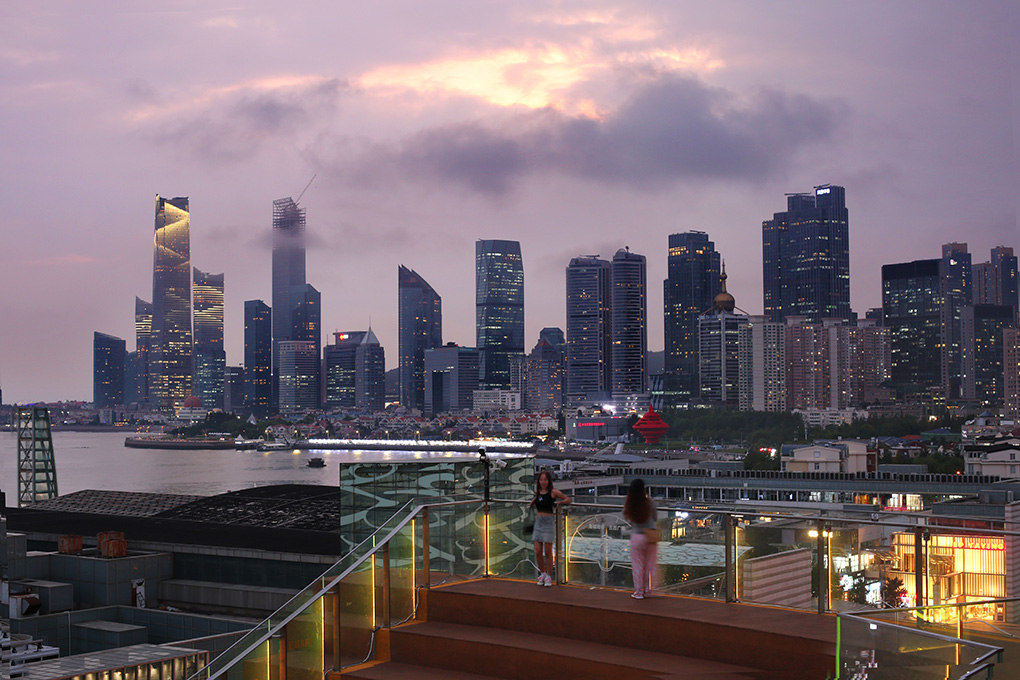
pixel 808 562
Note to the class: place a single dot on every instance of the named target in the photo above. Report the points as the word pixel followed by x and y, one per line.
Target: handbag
pixel 652 535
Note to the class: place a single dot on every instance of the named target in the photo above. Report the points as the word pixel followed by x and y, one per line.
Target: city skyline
pixel 427 133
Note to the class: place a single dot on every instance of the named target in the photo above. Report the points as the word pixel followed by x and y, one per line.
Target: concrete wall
pixel 780 579
pixel 209 596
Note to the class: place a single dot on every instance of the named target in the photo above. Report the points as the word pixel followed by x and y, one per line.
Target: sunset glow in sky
pixel 575 128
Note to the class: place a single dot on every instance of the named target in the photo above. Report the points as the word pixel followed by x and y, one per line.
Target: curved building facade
pixel 170 354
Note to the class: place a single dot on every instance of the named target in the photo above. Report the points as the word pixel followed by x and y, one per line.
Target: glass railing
pixel 816 563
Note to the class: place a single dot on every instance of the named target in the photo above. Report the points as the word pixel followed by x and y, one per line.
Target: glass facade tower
pixel 630 323
pixel 258 353
pixel 693 268
pixel 911 309
pixel 170 354
pixel 108 356
pixel 288 271
pixel 499 310
pixel 210 357
pixel 588 361
pixel 143 340
pixel 420 320
pixel 806 257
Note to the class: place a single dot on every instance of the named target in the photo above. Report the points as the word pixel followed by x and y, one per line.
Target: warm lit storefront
pixel 959 568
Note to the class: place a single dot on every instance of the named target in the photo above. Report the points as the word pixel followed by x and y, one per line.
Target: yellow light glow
pixel 487 565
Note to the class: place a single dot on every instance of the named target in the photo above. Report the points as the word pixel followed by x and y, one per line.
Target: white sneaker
pixel 541 580
pixel 548 580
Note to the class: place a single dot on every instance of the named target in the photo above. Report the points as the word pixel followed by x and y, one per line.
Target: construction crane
pixel 306 187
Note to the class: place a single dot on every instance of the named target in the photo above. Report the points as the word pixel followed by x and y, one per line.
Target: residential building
pixel 589 329
pixel 210 357
pixel 109 355
pixel 258 353
pixel 170 353
pixel 630 323
pixel 806 257
pixel 420 321
pixel 1011 372
pixel 983 343
pixel 451 378
pixel 718 350
pixel 995 281
pixel 495 400
pixel 692 282
pixel 762 359
pixel 499 309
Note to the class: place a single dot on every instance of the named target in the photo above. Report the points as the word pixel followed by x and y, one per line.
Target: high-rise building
pixel 589 329
pixel 911 310
pixel 692 282
pixel 719 349
pixel 370 373
pixel 420 321
pixel 143 341
pixel 762 358
pixel 995 281
pixel 338 369
pixel 956 293
pixel 555 337
pixel 170 353
pixel 810 355
pixel 499 309
pixel 109 354
pixel 210 357
pixel 451 378
pixel 288 272
pixel 630 323
pixel 299 376
pixel 258 358
pixel 983 351
pixel 806 257
pixel 865 362
pixel 543 377
pixel 1011 372
pixel 233 389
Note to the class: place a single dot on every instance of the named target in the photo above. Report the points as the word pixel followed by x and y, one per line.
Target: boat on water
pixel 274 446
pixel 178 443
pixel 242 444
pixel 316 463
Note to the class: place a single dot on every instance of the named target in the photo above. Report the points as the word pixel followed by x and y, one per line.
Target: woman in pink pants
pixel 639 510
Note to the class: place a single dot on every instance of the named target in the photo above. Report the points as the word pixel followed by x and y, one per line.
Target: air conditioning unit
pixel 24 606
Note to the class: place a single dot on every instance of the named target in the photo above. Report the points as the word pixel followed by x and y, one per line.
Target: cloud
pixel 234 123
pixel 672 128
pixel 58 261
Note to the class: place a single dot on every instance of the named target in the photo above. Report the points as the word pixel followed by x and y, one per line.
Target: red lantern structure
pixel 651 426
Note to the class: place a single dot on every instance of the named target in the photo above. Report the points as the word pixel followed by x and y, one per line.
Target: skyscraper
pixel 258 353
pixel 630 326
pixel 288 272
pixel 143 341
pixel 589 329
pixel 983 351
pixel 108 357
pixel 499 310
pixel 233 389
pixel 210 357
pixel 555 337
pixel 370 373
pixel 420 320
pixel 692 282
pixel 806 257
pixel 995 281
pixel 955 293
pixel 911 309
pixel 170 354
pixel 1011 373
pixel 451 378
pixel 543 377
pixel 718 349
pixel 339 363
pixel 299 376
pixel 762 374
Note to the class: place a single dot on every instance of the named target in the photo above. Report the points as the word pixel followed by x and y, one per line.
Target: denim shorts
pixel 545 529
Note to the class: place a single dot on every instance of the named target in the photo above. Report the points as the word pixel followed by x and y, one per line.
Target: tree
pixel 892 592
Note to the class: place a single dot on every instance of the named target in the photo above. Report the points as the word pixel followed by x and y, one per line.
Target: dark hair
pixel 638 507
pixel 538 478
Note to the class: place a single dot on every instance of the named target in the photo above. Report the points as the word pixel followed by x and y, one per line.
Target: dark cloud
pixel 238 126
pixel 671 129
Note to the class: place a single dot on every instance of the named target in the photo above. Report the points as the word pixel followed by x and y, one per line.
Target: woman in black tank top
pixel 545 501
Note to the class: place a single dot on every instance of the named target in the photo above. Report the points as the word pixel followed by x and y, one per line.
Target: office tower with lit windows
pixel 499 310
pixel 370 373
pixel 542 377
pixel 143 340
pixel 299 376
pixel 306 321
pixel 982 340
pixel 210 357
pixel 806 257
pixel 630 323
pixel 1011 372
pixel 912 311
pixel 692 282
pixel 233 389
pixel 588 360
pixel 451 378
pixel 288 272
pixel 995 281
pixel 258 358
pixel 109 354
pixel 338 369
pixel 170 349
pixel 420 328
pixel 956 293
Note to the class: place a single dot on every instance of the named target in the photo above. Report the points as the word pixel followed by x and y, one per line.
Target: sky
pixel 576 128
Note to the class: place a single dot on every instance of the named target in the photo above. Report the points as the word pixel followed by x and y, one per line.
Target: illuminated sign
pixel 973 542
pixel 820 192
